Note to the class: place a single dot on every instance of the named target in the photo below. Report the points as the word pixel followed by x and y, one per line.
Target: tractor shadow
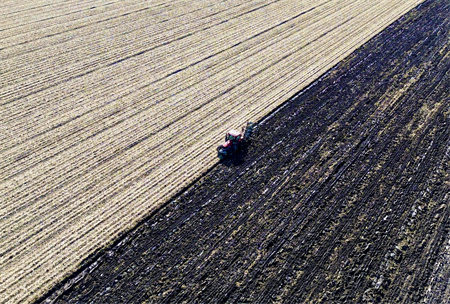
pixel 237 159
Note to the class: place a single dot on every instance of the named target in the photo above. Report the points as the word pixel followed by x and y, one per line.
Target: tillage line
pixel 72 29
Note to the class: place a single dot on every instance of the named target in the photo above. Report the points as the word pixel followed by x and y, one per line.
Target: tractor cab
pixel 233 136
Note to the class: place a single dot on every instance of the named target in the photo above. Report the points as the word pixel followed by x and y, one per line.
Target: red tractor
pixel 235 141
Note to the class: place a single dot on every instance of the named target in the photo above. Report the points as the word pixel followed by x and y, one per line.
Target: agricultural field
pixel 343 196
pixel 110 108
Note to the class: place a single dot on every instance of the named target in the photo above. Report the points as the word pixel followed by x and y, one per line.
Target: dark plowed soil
pixel 342 197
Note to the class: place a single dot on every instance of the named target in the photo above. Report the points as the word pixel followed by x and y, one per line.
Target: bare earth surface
pixel 109 108
pixel 343 197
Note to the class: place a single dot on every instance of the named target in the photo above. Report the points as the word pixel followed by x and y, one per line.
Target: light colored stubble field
pixel 108 108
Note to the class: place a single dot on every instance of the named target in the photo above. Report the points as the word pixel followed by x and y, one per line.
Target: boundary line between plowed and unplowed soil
pixel 89 263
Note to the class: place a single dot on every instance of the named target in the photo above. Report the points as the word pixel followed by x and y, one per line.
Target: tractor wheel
pixel 221 153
